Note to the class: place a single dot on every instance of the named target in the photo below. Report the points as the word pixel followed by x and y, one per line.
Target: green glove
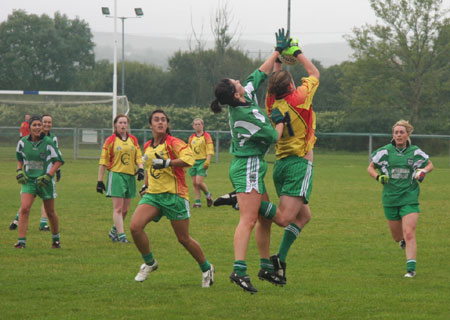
pixel 293 49
pixel 43 180
pixel 21 176
pixel 282 39
pixel 383 179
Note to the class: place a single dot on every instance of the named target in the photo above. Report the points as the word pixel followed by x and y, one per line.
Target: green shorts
pixel 247 173
pixel 45 193
pixel 293 176
pixel 170 205
pixel 197 169
pixel 397 213
pixel 120 185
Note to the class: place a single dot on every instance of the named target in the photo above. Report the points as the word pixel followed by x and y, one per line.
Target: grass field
pixel 343 266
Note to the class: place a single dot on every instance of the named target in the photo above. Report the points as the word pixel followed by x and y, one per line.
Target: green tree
pixel 398 60
pixel 41 53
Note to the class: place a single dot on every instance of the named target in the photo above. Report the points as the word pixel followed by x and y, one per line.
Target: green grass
pixel 343 266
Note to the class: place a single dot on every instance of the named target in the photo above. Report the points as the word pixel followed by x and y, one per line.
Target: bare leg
pixel 181 229
pixel 262 233
pixel 27 200
pixel 118 204
pixel 409 223
pixel 143 214
pixel 49 206
pixel 249 204
pixel 196 187
pixel 396 229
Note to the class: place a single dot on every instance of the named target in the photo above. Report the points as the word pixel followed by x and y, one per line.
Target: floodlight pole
pixel 115 64
pixel 139 14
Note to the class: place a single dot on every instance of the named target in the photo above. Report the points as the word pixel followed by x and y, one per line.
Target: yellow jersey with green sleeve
pixel 121 156
pixel 38 157
pixel 296 106
pixel 201 146
pixel 251 130
pixel 170 179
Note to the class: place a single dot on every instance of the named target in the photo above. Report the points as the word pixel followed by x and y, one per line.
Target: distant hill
pixel 157 50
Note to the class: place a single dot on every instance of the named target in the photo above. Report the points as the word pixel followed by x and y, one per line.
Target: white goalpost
pixel 29 97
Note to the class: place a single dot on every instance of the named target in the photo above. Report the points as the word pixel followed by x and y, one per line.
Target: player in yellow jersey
pixel 291 111
pixel 203 149
pixel 121 155
pixel 166 195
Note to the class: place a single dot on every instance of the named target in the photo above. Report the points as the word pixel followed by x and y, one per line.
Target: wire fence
pixel 86 143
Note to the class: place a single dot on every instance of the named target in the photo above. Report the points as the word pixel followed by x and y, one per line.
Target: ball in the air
pixel 288 59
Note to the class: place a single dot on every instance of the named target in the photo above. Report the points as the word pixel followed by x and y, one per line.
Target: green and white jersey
pixel 37 157
pixel 251 131
pixel 399 165
pixel 54 139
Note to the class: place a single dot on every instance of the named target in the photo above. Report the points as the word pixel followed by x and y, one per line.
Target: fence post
pixel 370 147
pixel 75 144
pixel 217 146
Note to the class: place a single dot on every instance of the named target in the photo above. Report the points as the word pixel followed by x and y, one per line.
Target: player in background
pixel 203 149
pixel 166 195
pixel 399 166
pixel 47 124
pixel 252 134
pixel 120 155
pixel 24 126
pixel 38 159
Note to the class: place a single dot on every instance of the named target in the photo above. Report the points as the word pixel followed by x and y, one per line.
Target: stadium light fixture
pixel 139 14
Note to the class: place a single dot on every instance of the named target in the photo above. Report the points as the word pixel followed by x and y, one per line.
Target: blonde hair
pixel 404 123
pixel 198 119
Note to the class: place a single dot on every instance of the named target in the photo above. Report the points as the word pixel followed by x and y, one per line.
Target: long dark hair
pixel 159 111
pixel 224 93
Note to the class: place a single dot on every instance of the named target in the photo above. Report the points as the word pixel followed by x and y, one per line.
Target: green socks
pixel 240 267
pixel 205 266
pixel 148 259
pixel 410 265
pixel 55 237
pixel 266 264
pixel 43 222
pixel 291 233
pixel 267 209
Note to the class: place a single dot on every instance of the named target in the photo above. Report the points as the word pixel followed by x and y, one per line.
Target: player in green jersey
pixel 38 159
pixel 252 134
pixel 47 124
pixel 399 166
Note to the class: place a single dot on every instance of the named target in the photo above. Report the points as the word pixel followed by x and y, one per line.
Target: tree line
pixel 400 69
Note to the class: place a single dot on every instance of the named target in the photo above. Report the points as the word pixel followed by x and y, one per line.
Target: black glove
pixel 100 187
pixel 58 175
pixel 160 163
pixel 140 174
pixel 143 190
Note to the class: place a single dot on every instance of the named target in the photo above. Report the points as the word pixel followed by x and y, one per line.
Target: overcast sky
pixel 314 21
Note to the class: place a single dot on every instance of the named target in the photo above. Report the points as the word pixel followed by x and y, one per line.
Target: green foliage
pixel 400 61
pixel 41 53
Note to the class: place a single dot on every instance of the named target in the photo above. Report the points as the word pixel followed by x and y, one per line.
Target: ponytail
pixel 215 106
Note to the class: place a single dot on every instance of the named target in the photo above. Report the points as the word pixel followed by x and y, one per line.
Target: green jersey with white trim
pixel 37 157
pixel 251 130
pixel 399 165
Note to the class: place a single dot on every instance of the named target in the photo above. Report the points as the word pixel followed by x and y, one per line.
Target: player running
pixel 401 166
pixel 47 124
pixel 203 149
pixel 252 134
pixel 166 195
pixel 38 159
pixel 120 156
